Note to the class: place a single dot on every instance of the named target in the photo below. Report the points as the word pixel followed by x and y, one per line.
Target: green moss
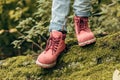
pixel 94 62
pixel 20 67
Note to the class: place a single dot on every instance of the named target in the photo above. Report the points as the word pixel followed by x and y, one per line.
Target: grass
pixel 94 62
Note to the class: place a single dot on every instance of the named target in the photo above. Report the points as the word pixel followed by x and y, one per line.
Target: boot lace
pixel 52 43
pixel 82 24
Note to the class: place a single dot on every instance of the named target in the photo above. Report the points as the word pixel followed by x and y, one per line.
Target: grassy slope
pixel 94 62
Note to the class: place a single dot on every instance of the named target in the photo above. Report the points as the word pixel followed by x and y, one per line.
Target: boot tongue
pixel 56 34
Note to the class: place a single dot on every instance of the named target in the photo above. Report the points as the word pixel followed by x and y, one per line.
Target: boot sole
pixel 87 42
pixel 45 65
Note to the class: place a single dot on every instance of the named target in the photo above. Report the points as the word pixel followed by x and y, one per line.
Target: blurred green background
pixel 24 23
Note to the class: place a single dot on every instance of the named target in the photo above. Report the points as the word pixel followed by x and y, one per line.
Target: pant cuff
pixel 58 27
pixel 83 14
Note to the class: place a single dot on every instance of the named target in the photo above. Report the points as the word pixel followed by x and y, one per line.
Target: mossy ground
pixel 94 62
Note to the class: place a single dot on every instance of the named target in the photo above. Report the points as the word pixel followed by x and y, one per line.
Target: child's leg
pixel 60 10
pixel 56 42
pixel 82 8
pixel 83 32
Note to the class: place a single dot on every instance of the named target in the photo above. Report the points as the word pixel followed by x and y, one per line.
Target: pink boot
pixel 54 47
pixel 83 32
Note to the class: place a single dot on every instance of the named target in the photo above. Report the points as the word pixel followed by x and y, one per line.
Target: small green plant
pixel 34 29
pixel 106 17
